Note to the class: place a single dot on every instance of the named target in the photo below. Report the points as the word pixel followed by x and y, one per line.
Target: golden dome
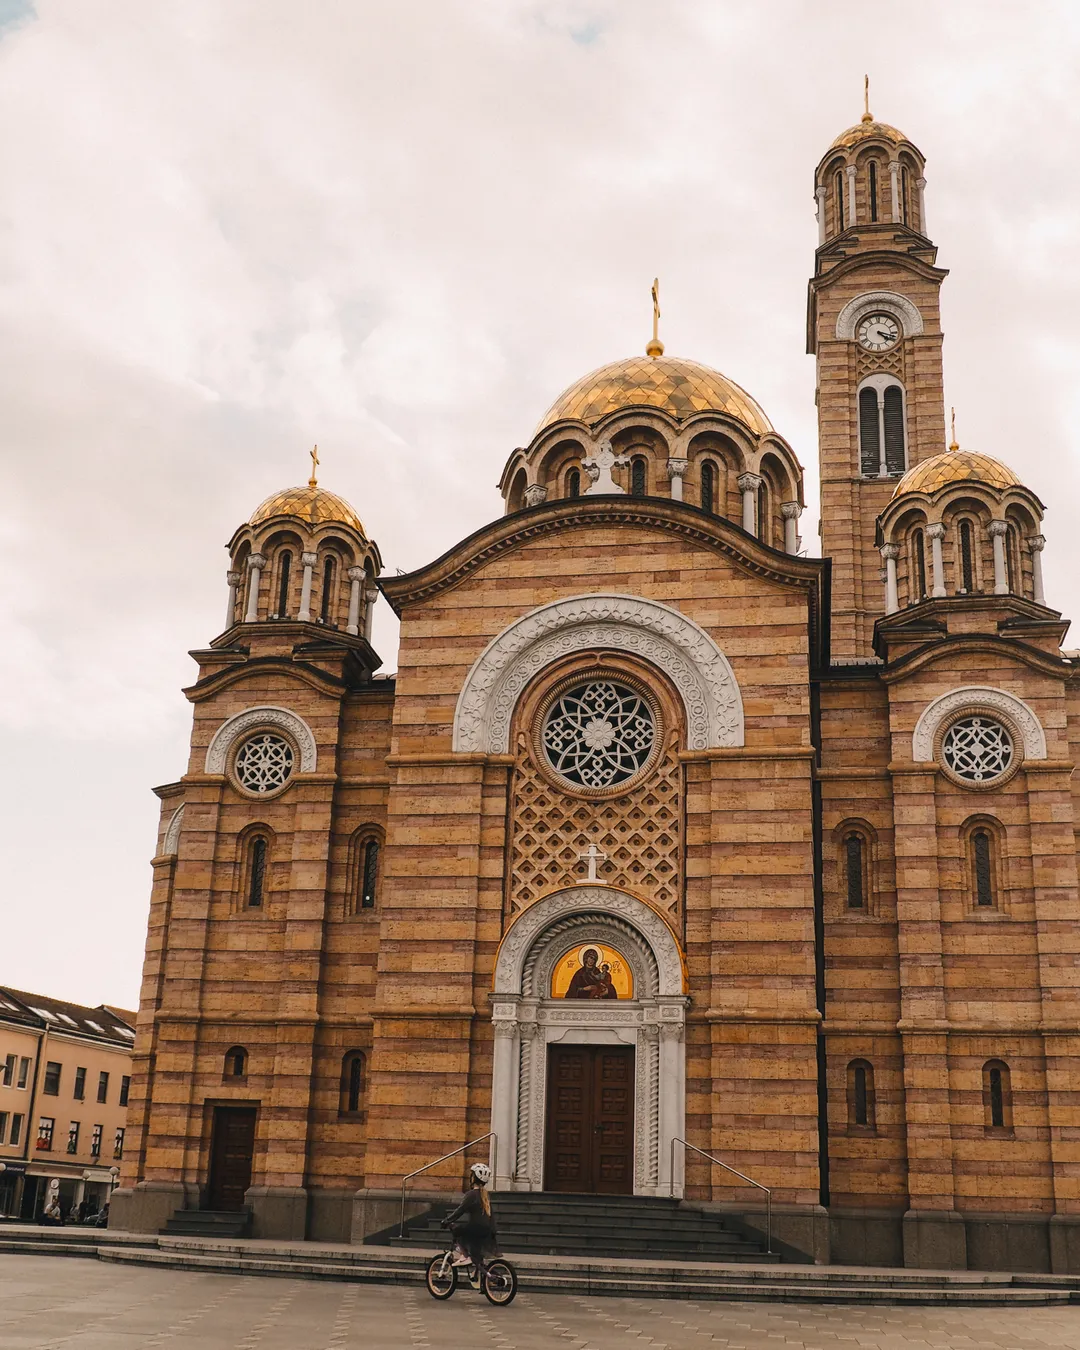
pixel 681 388
pixel 864 130
pixel 956 466
pixel 313 504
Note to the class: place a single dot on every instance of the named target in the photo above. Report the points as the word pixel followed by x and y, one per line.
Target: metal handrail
pixel 742 1177
pixel 493 1155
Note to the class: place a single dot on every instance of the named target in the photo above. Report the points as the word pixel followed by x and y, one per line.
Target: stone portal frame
pixel 527 1020
pixel 252 719
pixel 979 698
pixel 856 310
pixel 652 631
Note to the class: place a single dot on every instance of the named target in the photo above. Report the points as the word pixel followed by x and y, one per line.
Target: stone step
pixel 208 1223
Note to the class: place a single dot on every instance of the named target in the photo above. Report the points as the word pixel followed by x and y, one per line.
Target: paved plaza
pixel 63 1303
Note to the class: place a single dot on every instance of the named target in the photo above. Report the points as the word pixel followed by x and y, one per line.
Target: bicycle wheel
pixel 500 1282
pixel 441 1276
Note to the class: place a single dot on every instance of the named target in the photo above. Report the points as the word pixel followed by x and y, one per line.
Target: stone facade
pixel 840 874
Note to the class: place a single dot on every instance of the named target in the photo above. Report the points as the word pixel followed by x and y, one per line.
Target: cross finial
pixel 655 347
pixel 314 453
pixel 953 443
pixel 592 856
pixel 866 99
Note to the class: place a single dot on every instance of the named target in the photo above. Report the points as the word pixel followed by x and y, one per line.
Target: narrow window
pixel 997 1098
pixel 9 1071
pixel 80 1085
pixel 982 867
pixel 125 1089
pixel 861 1104
pixel 24 1071
pixel 860 1095
pixel 327 589
pixel 708 486
pixel 967 558
pixel 256 872
pixel 869 434
pixel 283 585
pixel 894 430
pixel 370 874
pixel 839 184
pixel 95 1141
pixel 235 1062
pixel 573 483
pixel 904 195
pixel 763 512
pixel 3 1127
pixel 51 1086
pixel 118 1142
pixel 920 566
pixel 73 1137
pixel 103 1087
pixel 1012 561
pixel 997 1095
pixel 46 1125
pixel 352 1081
pixel 873 190
pixel 853 858
pixel 16 1129
pixel 637 476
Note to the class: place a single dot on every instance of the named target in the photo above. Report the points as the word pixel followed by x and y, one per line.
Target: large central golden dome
pixel 681 388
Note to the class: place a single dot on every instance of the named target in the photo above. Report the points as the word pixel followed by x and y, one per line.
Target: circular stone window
pixel 599 733
pixel 264 763
pixel 978 750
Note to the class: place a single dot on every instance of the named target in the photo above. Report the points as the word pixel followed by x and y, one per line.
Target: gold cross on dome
pixel 655 347
pixel 866 99
pixel 314 453
pixel 953 444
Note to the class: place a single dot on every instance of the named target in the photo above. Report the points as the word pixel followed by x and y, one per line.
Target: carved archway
pixel 291 723
pixel 976 696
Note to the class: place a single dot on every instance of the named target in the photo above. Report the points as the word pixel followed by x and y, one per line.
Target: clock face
pixel 877 332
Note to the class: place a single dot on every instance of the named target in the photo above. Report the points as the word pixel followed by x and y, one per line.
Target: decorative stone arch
pixel 975 696
pixel 527 1020
pixel 171 842
pixel 848 319
pixel 226 736
pixel 645 628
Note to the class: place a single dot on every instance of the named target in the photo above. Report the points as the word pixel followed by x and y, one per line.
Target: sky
pixel 230 229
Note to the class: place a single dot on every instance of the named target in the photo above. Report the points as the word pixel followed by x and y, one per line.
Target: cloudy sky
pixel 231 228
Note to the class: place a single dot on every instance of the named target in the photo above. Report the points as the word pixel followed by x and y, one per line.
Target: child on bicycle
pixel 471 1223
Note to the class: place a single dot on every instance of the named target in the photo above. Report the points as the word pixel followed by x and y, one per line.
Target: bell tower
pixel 873 323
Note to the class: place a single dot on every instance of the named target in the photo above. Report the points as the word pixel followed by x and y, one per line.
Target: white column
pixel 821 194
pixel 309 560
pixel 356 576
pixel 791 511
pixel 920 183
pixel 676 471
pixel 998 530
pixel 371 594
pixel 672 1102
pixel 1037 543
pixel 936 534
pixel 748 486
pixel 892 601
pixel 851 194
pixel 233 578
pixel 894 179
pixel 504 1092
pixel 256 563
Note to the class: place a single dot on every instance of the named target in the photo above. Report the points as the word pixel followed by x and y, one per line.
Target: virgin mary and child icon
pixel 592 979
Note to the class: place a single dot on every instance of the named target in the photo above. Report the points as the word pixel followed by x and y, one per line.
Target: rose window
pixel 599 734
pixel 264 762
pixel 977 749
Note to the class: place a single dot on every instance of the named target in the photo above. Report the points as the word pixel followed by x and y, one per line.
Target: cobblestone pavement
pixel 70 1303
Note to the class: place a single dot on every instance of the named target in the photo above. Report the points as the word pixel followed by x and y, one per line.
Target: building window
pixel 80 1085
pixel 573 483
pixel 895 459
pixel 869 434
pixel 855 867
pixel 638 480
pixel 967 558
pixel 16 1129
pixel 861 1103
pixel 46 1125
pixel 24 1071
pixel 235 1062
pixel 73 1137
pixel 257 851
pixel 125 1088
pixel 102 1087
pixel 352 1082
pixel 370 874
pixel 708 486
pixel 51 1086
pixel 904 195
pixel 3 1127
pixel 285 568
pixel 763 512
pixel 327 589
pixel 872 176
pixel 1012 560
pixel 95 1141
pixel 982 867
pixel 997 1095
pixel 9 1070
pixel 919 566
pixel 978 750
pixel 838 187
pixel 264 763
pixel 118 1142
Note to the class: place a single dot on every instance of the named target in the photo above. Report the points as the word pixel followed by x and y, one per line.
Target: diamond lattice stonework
pixel 977 749
pixel 264 762
pixel 599 734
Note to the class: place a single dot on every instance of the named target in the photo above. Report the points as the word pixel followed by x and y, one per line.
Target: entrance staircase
pixel 219 1223
pixel 618 1226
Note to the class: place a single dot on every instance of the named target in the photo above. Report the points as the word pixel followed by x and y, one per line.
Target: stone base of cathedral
pixel 148 1206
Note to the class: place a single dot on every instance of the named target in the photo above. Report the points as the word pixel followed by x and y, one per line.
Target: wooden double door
pixel 590 1120
pixel 232 1149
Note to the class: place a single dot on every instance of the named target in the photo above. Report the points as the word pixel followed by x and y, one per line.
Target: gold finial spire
pixel 314 453
pixel 953 445
pixel 866 117
pixel 655 347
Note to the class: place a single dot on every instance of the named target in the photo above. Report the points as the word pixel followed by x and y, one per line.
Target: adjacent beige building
pixel 65 1071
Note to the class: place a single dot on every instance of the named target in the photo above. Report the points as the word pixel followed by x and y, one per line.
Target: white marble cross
pixel 599 467
pixel 592 856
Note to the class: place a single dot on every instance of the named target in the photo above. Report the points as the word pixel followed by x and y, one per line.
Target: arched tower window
pixel 638 476
pixel 258 850
pixel 763 512
pixel 1012 560
pixel 284 572
pixel 352 1082
pixel 862 1112
pixel 997 1095
pixel 869 433
pixel 708 486
pixel 235 1062
pixel 855 870
pixel 895 459
pixel 967 558
pixel 872 183
pixel 329 569
pixel 904 179
pixel 369 874
pixel 981 845
pixel 573 483
pixel 838 190
pixel 918 565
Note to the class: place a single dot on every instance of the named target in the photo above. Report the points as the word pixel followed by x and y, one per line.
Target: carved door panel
pixel 232 1148
pixel 590 1120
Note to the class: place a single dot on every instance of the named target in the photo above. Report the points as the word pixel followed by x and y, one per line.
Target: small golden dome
pixel 864 130
pixel 312 504
pixel 956 466
pixel 681 388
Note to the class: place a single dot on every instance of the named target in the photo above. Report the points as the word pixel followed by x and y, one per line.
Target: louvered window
pixel 894 430
pixel 869 434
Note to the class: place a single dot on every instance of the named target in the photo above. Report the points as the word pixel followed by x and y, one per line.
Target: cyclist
pixel 471 1223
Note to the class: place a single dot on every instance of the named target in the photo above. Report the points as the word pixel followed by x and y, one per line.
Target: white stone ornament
pixel 599 467
pixel 264 762
pixel 250 719
pixel 977 749
pixel 171 843
pixel 978 698
pixel 598 734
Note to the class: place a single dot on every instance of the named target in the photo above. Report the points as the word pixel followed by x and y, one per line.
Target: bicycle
pixel 497 1278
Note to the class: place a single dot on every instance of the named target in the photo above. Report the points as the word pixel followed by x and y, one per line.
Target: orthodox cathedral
pixel 664 834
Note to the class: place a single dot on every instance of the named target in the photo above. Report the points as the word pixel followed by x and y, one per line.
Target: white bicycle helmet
pixel 480 1172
